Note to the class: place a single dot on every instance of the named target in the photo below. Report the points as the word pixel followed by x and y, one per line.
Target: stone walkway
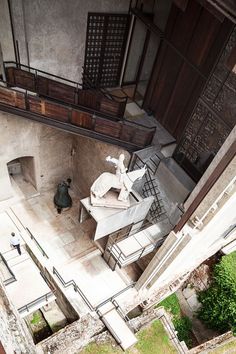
pixel 200 331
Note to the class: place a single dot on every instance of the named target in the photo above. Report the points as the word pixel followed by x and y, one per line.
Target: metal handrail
pixel 123 123
pixel 34 302
pixel 12 278
pixel 110 299
pixel 104 91
pixel 76 288
pixel 19 65
pixel 77 84
pixel 37 243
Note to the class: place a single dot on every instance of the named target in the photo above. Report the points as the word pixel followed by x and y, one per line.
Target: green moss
pixel 36 318
pixel 183 326
pixel 171 304
pixel 151 340
pixel 218 309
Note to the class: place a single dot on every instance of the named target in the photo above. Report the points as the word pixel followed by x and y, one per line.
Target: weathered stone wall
pixel 57 155
pixel 213 343
pixel 89 161
pixel 5 32
pixel 14 335
pixel 56 32
pixel 72 338
pixel 51 149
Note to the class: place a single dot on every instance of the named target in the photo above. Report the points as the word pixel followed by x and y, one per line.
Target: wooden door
pixel 105 47
pixel 192 44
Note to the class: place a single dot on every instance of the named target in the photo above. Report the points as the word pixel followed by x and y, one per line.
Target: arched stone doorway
pixel 22 175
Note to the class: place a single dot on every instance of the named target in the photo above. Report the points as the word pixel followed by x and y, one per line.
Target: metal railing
pixel 61 79
pixel 157 211
pixel 71 282
pixel 75 286
pixel 121 259
pixel 112 298
pixel 88 83
pixel 37 243
pixel 130 135
pixel 12 278
pixel 31 304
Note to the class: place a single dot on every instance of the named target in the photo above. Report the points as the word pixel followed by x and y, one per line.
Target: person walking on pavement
pixel 15 242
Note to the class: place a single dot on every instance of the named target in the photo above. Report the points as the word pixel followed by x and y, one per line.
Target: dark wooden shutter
pixel 105 47
pixel 194 40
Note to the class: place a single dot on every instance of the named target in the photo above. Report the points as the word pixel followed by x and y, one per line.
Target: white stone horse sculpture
pixel 108 180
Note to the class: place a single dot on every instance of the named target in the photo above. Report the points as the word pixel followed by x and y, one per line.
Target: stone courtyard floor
pixel 151 340
pixel 69 247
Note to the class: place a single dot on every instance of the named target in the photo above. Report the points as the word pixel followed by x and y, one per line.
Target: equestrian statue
pixel 122 181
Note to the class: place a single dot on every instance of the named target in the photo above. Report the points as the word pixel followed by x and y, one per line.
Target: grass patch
pixel 36 318
pixel 93 348
pixel 171 304
pixel 183 324
pixel 151 340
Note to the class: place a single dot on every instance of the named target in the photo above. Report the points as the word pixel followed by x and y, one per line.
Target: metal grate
pixel 105 47
pixel 157 211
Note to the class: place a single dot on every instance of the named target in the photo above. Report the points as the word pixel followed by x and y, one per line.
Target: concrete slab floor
pixel 29 284
pixel 69 246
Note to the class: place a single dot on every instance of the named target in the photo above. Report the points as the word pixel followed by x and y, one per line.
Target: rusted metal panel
pixel 212 119
pixel 12 98
pixel 53 110
pixel 87 98
pixel 61 91
pixel 108 127
pixel 34 104
pixel 109 107
pixel 91 99
pixel 84 120
pixel 24 79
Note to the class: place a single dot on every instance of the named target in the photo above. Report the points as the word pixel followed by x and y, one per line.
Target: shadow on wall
pixel 89 162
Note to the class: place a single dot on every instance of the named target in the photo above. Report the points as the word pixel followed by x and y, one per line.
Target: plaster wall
pixel 50 148
pixel 5 32
pixel 56 32
pixel 203 244
pixel 89 162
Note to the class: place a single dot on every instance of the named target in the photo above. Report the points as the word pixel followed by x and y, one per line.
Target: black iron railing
pixel 12 278
pixel 37 243
pixel 122 259
pixel 75 286
pixel 61 79
pixel 112 298
pixel 35 302
pixel 127 134
pixel 71 282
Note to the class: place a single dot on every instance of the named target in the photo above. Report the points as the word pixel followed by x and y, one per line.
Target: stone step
pixel 17 259
pixel 119 329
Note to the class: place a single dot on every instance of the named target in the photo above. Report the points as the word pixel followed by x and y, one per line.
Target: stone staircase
pixel 136 246
pixel 114 321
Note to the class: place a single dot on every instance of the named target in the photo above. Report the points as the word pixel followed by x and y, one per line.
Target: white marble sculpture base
pixel 110 200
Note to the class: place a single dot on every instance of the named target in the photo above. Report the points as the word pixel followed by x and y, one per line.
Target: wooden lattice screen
pixel 105 47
